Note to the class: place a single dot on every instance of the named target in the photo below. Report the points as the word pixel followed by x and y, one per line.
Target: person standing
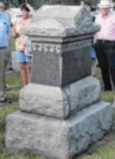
pixel 105 43
pixel 23 59
pixel 4 56
pixel 2 9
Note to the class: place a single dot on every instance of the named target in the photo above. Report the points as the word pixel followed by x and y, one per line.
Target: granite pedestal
pixel 61 114
pixel 60 102
pixel 61 139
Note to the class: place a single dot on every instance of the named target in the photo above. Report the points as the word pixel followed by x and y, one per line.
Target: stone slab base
pixel 60 139
pixel 60 102
pixel 113 104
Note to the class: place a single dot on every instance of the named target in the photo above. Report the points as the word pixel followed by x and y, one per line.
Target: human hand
pixel 14 35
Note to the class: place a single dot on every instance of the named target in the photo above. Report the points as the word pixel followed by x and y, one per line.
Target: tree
pixel 39 3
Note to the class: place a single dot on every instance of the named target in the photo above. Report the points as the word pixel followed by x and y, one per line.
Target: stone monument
pixel 60 114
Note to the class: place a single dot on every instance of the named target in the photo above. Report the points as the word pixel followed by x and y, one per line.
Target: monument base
pixel 61 139
pixel 60 102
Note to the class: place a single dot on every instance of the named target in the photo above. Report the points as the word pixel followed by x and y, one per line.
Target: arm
pixel 95 36
pixel 31 8
pixel 7 22
pixel 14 34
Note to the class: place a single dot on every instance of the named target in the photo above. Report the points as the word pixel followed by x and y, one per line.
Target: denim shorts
pixel 21 57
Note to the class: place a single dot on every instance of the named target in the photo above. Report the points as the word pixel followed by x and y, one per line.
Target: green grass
pixel 103 149
pixel 105 152
pixel 107 96
pixel 12 44
pixel 14 84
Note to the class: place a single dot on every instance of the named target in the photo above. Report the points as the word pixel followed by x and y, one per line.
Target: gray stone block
pixel 61 44
pixel 60 139
pixel 113 104
pixel 61 64
pixel 60 102
pixel 65 21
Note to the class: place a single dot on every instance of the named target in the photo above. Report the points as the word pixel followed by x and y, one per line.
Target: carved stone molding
pixel 57 48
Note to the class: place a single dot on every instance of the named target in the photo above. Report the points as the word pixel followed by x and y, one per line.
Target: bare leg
pixel 28 71
pixel 23 73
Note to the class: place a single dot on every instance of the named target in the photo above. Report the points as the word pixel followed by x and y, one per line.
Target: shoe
pixel 6 101
pixel 11 69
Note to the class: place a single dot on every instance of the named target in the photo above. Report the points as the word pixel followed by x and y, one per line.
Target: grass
pixel 12 44
pixel 104 152
pixel 107 96
pixel 103 149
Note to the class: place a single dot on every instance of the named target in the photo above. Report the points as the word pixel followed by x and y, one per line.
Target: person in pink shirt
pixel 105 43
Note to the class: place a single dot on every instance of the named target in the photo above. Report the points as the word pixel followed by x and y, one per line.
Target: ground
pixel 104 149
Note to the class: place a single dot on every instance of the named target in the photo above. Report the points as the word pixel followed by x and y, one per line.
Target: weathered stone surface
pixel 44 100
pixel 62 38
pixel 57 65
pixel 62 21
pixel 113 104
pixel 82 94
pixel 60 102
pixel 56 138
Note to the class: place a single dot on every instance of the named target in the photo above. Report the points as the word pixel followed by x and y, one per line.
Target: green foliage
pixel 39 3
